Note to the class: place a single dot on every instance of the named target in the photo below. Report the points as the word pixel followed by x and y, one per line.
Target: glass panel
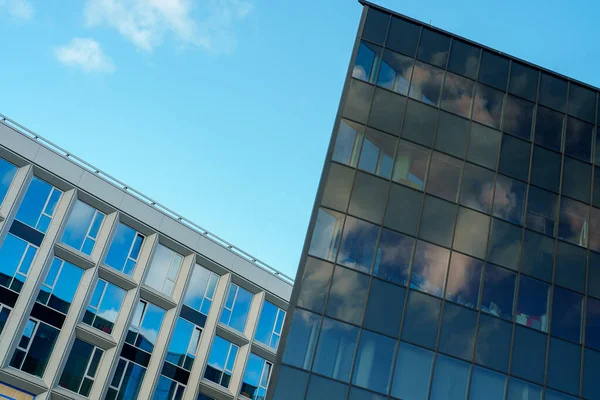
pixel 566 314
pixel 464 59
pixel 457 95
pixel 120 247
pixel 591 363
pixel 426 83
pixel 477 188
pixel 180 343
pixel 368 197
pixel 384 309
pixel 553 92
pixel 421 319
pixel 570 267
pixel 596 187
pixel 34 202
pixel 403 208
pixel 347 143
pixel 156 276
pixel 548 128
pixel 410 166
pixel 437 221
pixel 387 111
pixel 518 116
pixel 509 199
pixel 578 140
pixel 493 70
pixel 505 244
pixel 239 314
pixel 348 295
pixel 433 47
pixel 302 338
pixel 198 292
pixel 358 244
pixel 452 132
pixel 514 158
pixel 545 168
pixel 471 232
pixel 484 145
pixel 64 288
pixel 533 303
pixel 220 359
pixel 78 224
pixel 335 351
pixel 577 178
pixel 487 108
pixel 529 354
pixel 444 176
pixel 498 291
pixel 7 173
pixel 109 308
pixel 374 360
pixel 377 154
pixel 314 284
pixel 582 102
pixel 395 72
pixel 464 280
pixel 493 343
pixel 457 334
pixel 593 278
pixel 487 384
pixel 326 234
pixel 403 36
pixel 412 372
pixel 359 394
pixel 291 384
pixel 367 60
pixel 394 254
pixel 563 366
pixel 542 209
pixel 318 386
pixel 150 327
pixel 419 123
pixel 521 390
pixel 523 81
pixel 429 268
pixel 592 323
pixel 251 383
pixel 76 365
pixel 376 26
pixel 450 379
pixel 358 101
pixel 573 224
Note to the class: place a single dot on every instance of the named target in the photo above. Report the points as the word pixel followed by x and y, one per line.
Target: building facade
pixel 454 247
pixel 106 294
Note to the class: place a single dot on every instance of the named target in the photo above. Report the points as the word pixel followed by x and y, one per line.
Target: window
pixel 538 256
pixel 582 102
pixel 433 47
pixel 358 244
pixel 421 319
pixel 338 187
pixel 367 62
pixel 38 205
pixel 394 254
pixel 564 360
pixel 493 343
pixel 81 367
pixel 567 314
pixel 578 140
pixel 542 209
pixel 498 291
pixel 457 333
pixel 514 157
pixel 145 326
pixel 319 385
pixel 221 361
pixel 168 389
pixel 183 345
pixel 523 81
pixel 484 145
pixel 487 108
pixel 164 270
pixel 412 372
pixel 410 166
pixel 569 270
pixel 471 233
pixel 518 115
pixel 375 26
pixel 237 305
pixel 592 323
pixel 403 36
pixel 377 153
pixel 387 111
pixel 7 174
pixel 426 83
pixel 487 384
pixel 451 137
pixel 464 59
pixel 493 70
pixel 16 255
pixel 548 128
pixel 577 179
pixel 450 379
pixel 270 325
pixel 464 280
pixel 403 208
pixel 573 222
pixel 429 268
pixel 553 92
pixel 545 168
pixel 124 249
pixel 437 221
pixel 4 313
pixel 419 123
pixel 302 338
pixel 326 234
pixel 505 244
pixel 126 381
pixel 533 302
pixel 256 378
pixel 591 363
pixel 104 306
pixel 444 176
pixel 82 227
pixel 314 284
pixel 60 285
pixel 529 354
pixel 348 295
pixel 347 143
pixel 368 197
pixel 291 384
pixel 395 72
pixel 34 348
pixel 374 361
pixel 384 308
pixel 509 199
pixel 201 289
pixel 477 188
pixel 518 389
pixel 335 351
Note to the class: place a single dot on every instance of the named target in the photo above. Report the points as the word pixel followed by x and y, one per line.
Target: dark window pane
pixel 529 354
pixel 518 116
pixel 403 36
pixel 358 244
pixel 412 372
pixel 538 256
pixel 319 385
pixel 433 47
pixel 577 179
pixel 484 145
pixel 358 101
pixel 421 319
pixel 444 176
pixel 592 323
pixel 377 153
pixel 514 157
pixel 464 59
pixel 387 111
pixel 477 188
pixel 545 168
pixel 393 257
pixel 597 148
pixel 594 275
pixel 488 106
pixel 596 188
pixel 426 83
pixel 542 211
pixel 548 128
pixel 563 366
pixel 371 374
pixel 419 123
pixel 471 232
pixel 367 60
pixel 437 221
pixel 347 143
pixel 487 384
pixel 570 266
pixel 566 314
pixel 493 342
pixel 368 197
pixel 291 384
pixel 376 26
pixel 533 303
pixel 384 308
pixel 395 72
pixel 336 350
pixel 457 335
pixel 338 186
pixel 582 102
pixel 523 81
pixel 359 394
pixel 493 70
pixel 348 295
pixel 595 230
pixel 429 268
pixel 498 291
pixel 450 379
pixel 518 390
pixel 578 139
pixel 314 284
pixel 464 280
pixel 505 244
pixel 553 92
pixel 403 209
pixel 509 199
pixel 457 95
pixel 591 366
pixel 325 239
pixel 452 132
pixel 302 339
pixel 573 221
pixel 410 166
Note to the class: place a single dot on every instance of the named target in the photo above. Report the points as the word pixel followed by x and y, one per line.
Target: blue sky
pixel 222 109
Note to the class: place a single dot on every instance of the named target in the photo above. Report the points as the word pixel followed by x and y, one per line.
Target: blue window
pixel 200 292
pixel 124 249
pixel 16 256
pixel 168 389
pixel 60 285
pixel 145 326
pixel 498 291
pixel 519 390
pixel 237 305
pixel 256 378
pixel 335 350
pixel 270 325
pixel 82 227
pixel 302 339
pixel 164 270
pixel 367 61
pixel 183 345
pixel 374 361
pixel 412 372
pixel 4 313
pixel 34 348
pixel 38 205
pixel 487 384
pixel 104 306
pixel 81 367
pixel 221 361
pixel 126 381
pixel 7 174
pixel 450 379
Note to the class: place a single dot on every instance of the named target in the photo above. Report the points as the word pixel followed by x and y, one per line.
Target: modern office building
pixel 454 247
pixel 106 294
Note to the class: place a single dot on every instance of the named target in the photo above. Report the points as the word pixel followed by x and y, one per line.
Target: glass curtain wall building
pixel 104 294
pixel 454 247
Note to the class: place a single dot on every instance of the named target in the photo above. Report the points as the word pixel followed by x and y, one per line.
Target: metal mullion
pixel 129 252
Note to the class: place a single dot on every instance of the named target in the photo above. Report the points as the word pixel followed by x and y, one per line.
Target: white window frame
pixel 127 362
pixel 196 332
pixel 172 265
pixel 210 298
pixel 44 209
pixel 87 233
pixel 177 385
pixel 230 309
pixel 87 368
pixel 262 375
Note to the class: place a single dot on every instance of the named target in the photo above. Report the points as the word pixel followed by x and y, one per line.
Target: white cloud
pixel 146 22
pixel 21 9
pixel 86 54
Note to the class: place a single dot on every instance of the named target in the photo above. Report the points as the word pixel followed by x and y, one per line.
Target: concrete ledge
pixel 20 379
pixel 73 256
pixel 157 298
pixel 94 336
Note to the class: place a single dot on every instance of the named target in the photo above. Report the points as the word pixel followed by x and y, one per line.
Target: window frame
pixel 191 356
pixel 87 235
pixel 20 264
pixel 275 333
pixel 100 301
pixel 25 352
pixel 127 362
pixel 265 387
pixel 131 246
pixel 56 278
pixel 140 323
pixel 225 364
pixel 87 368
pixel 231 309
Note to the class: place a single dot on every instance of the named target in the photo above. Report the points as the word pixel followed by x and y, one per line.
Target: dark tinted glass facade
pixel 454 249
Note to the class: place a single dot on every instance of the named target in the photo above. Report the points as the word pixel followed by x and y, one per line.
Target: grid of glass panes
pixel 469 179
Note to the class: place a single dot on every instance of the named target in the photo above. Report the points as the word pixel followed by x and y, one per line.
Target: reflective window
pixel 577 178
pixel 542 210
pixel 347 143
pixel 593 278
pixel 319 385
pixel 410 166
pixel 4 313
pixel 291 384
pixel 367 61
pixel 168 389
pixel 34 348
pixel 270 324
pixel 518 116
pixel 573 221
pixel 426 83
pixel 419 123
pixel 403 36
pixel 429 268
pixel 533 302
pixel 81 367
pixel 477 188
pixel 564 361
pixel 126 381
pixel 7 174
pixel 457 95
pixel 509 199
pixel 450 379
pixel 464 59
pixel 38 205
pixel 567 314
pixel 545 168
pixel 464 280
pixel 374 360
pixel 529 354
pixel 444 176
pixel 124 249
pixel 358 244
pixel 60 285
pixel 394 255
pixel 16 255
pixel 377 153
pixel 591 363
pixel 493 70
pixel 335 351
pixel 164 269
pixel 578 140
pixel 358 101
pixel 498 291
pixel 592 323
pixel 386 111
pixel 519 390
pixel 237 305
pixel 145 325
pixel 471 232
pixel 326 234
pixel 433 47
pixel 221 361
pixel 487 108
pixel 359 394
pixel 538 256
pixel 200 292
pixel 553 92
pixel 104 306
pixel 395 72
pixel 452 132
pixel 301 339
pixel 596 187
pixel 437 221
pixel 505 244
pixel 421 319
pixel 82 227
pixel 514 158
pixel 523 81
pixel 493 343
pixel 554 395
pixel 412 373
pixel 457 334
pixel 376 26
pixel 484 145
pixel 256 378
pixel 348 295
pixel 314 284
pixel 548 128
pixel 487 384
pixel 582 102
pixel 570 266
pixel 384 308
pixel 403 209
pixel 368 197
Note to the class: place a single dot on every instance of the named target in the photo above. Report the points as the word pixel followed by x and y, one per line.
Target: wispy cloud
pixel 209 24
pixel 21 9
pixel 84 53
